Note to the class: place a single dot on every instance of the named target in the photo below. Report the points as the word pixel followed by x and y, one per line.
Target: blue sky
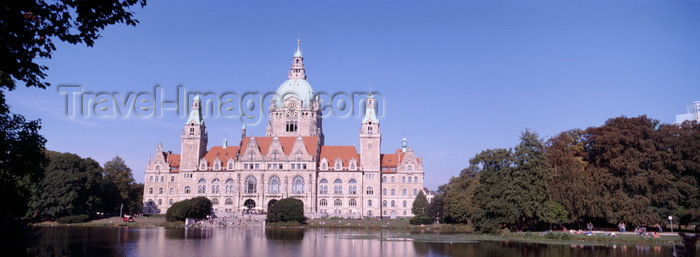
pixel 457 77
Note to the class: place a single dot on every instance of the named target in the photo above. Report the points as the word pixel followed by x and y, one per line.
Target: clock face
pixel 292 109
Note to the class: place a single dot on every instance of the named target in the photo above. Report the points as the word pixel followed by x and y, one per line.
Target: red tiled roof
pixel 344 152
pixel 173 161
pixel 222 153
pixel 389 161
pixel 287 143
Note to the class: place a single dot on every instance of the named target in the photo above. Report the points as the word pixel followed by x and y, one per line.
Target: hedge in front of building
pixel 196 208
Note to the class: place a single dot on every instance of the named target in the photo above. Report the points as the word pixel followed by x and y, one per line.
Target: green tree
pixel 117 183
pixel 458 203
pixel 420 204
pixel 287 210
pixel 21 160
pixel 493 196
pixel 71 186
pixel 683 143
pixel 197 208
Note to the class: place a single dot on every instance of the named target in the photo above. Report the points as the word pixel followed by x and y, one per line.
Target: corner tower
pixel 193 140
pixel 370 137
pixel 293 110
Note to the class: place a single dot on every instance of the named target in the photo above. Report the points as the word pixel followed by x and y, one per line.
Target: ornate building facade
pixel 290 161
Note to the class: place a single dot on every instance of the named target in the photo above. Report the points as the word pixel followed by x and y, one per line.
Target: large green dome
pixel 294 87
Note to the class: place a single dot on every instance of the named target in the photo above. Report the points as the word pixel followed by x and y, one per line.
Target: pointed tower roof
pixel 196 111
pixel 296 84
pixel 370 113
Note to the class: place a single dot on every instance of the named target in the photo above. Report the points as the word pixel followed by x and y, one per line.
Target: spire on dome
pixel 297 71
pixel 298 52
pixel 225 143
pixel 404 144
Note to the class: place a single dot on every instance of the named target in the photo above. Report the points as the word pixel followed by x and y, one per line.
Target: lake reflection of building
pixel 291 160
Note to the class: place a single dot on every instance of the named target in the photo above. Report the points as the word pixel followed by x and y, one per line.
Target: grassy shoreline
pixel 446 233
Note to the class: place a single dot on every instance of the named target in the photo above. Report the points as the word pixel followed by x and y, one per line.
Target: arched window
pixel 404 191
pixel 172 178
pixel 150 179
pixel 415 179
pixel 323 202
pixel 323 188
pixel 229 186
pixel 370 190
pixel 393 179
pixel 216 166
pixel 160 201
pixel 160 190
pixel 338 202
pixel 384 191
pixel 415 191
pixel 352 165
pixel 215 188
pixel 393 191
pixel 150 190
pixel 274 187
pixel 403 179
pixel 215 201
pixel 188 190
pixel 170 202
pixel 393 203
pixel 384 203
pixel 162 178
pixel 230 166
pixel 324 166
pixel 338 166
pixel 202 187
pixel 337 188
pixel 157 167
pixel 297 185
pixel 369 203
pixel 404 203
pixel 410 168
pixel 352 202
pixel 228 201
pixel 384 179
pixel 409 180
pixel 172 190
pixel 338 181
pixel 352 189
pixel 250 185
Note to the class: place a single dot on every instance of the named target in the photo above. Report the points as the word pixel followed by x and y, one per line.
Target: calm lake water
pixel 258 241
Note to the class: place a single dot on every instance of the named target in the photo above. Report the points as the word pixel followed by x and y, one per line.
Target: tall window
pixel 250 185
pixel 353 188
pixel 229 186
pixel 403 179
pixel 150 190
pixel 323 189
pixel 404 203
pixel 297 185
pixel 215 201
pixel 202 188
pixel 384 203
pixel 393 191
pixel 323 202
pixel 415 191
pixel 352 202
pixel 274 187
pixel 215 188
pixel 369 203
pixel 409 180
pixel 338 202
pixel 403 192
pixel 160 190
pixel 187 190
pixel 172 190
pixel 393 179
pixel 393 203
pixel 228 201
pixel 337 188
pixel 370 190
pixel 384 191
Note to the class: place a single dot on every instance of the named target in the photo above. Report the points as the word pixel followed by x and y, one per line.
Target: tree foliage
pixel 631 170
pixel 420 204
pixel 196 208
pixel 118 188
pixel 287 210
pixel 71 186
pixel 28 28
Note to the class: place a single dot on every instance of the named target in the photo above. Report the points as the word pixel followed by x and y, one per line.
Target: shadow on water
pixel 511 248
pixel 189 233
pixel 285 235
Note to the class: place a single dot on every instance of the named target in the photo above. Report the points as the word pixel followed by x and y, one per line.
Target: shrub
pixel 73 219
pixel 286 210
pixel 197 208
pixel 421 219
